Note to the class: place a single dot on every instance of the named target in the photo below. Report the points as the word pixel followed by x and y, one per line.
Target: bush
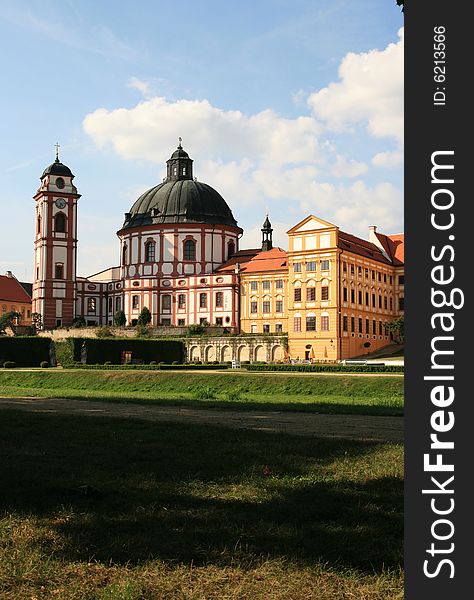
pixel 44 364
pixel 9 364
pixel 104 332
pixel 120 319
pixel 144 317
pixel 233 395
pixel 79 322
pixel 142 331
pixel 334 368
pixel 204 393
pixel 24 351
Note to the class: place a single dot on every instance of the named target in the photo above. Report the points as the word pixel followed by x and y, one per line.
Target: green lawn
pixel 108 509
pixel 378 395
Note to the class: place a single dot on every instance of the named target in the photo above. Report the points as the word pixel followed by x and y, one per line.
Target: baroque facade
pixel 332 293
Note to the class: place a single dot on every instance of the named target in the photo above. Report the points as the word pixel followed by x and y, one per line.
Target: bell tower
pixel 267 231
pixel 54 280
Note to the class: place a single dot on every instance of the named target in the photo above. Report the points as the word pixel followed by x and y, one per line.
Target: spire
pixel 267 230
pixel 57 151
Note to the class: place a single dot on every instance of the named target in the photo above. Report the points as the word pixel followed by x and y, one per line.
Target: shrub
pixel 104 332
pixel 44 364
pixel 79 322
pixel 232 395
pixel 25 351
pixel 142 331
pixel 204 393
pixel 144 317
pixel 9 364
pixel 321 368
pixel 120 319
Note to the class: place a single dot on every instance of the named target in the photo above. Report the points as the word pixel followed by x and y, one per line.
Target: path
pixel 361 427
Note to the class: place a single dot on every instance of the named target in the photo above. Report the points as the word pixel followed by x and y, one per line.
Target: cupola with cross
pixel 267 231
pixel 54 282
pixel 179 165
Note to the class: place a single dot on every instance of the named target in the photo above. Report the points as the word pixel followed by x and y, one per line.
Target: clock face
pixel 60 203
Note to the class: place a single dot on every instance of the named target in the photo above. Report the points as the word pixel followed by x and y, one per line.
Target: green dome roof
pixel 180 201
pixel 57 168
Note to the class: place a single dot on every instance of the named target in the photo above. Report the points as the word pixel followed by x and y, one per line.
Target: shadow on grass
pixel 128 491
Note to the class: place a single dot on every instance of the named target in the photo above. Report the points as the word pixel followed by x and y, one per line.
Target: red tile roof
pixel 398 245
pixel 12 291
pixel 351 243
pixel 257 261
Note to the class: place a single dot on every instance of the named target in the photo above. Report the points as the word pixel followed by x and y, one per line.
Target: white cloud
pixel 142 86
pixel 370 91
pixel 390 160
pixel 348 168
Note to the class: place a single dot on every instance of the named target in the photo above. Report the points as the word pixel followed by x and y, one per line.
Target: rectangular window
pixel 344 294
pixel 352 270
pixel 253 328
pixel 297 324
pixel 203 300
pixel 279 306
pixel 324 265
pixel 324 292
pixel 278 327
pixel 266 284
pixel 310 323
pixel 266 328
pixel 253 307
pixel 360 325
pixel 366 272
pixel 385 302
pixel 352 296
pixel 344 267
pixel 373 274
pixel 266 307
pixel 379 276
pixel 111 305
pixel 166 322
pixel 117 303
pixel 136 301
pixel 401 304
pixel 353 324
pixel 367 298
pixel 297 294
pixel 380 301
pixel 401 280
pixel 367 326
pixel 254 286
pixel 385 278
pixel 374 304
pixel 391 303
pixel 359 296
pixel 91 305
pixel 325 323
pixel 345 324
pixel 311 265
pixel 165 302
pixel 380 328
pixel 374 326
pixel 59 271
pixel 181 322
pixel 359 271
pixel 279 284
pixel 219 321
pixel 181 301
pixel 390 278
pixel 310 294
pixel 219 299
pixel 297 267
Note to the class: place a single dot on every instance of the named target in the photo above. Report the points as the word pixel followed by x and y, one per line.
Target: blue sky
pixel 291 106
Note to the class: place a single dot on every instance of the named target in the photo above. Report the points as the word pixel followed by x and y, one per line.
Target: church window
pixel 181 301
pixel 91 305
pixel 189 250
pixel 60 223
pixel 230 250
pixel 219 299
pixel 202 300
pixel 59 271
pixel 150 251
pixel 135 301
pixel 39 224
pixel 124 254
pixel 166 302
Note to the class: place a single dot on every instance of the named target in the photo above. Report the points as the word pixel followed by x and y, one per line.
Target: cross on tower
pixel 180 139
pixel 57 151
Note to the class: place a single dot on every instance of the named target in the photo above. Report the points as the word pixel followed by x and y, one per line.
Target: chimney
pixel 10 274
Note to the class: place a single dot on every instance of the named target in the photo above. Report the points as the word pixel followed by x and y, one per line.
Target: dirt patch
pixel 360 427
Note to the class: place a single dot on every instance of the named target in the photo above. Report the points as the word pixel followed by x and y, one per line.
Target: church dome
pixel 179 199
pixel 57 168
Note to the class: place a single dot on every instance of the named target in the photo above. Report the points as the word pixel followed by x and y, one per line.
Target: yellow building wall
pixel 253 289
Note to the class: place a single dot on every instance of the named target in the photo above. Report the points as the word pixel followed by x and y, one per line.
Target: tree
pixel 398 327
pixel 8 319
pixel 144 317
pixel 120 318
pixel 79 322
pixel 37 321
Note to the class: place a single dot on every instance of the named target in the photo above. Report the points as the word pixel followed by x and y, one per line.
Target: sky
pixel 291 107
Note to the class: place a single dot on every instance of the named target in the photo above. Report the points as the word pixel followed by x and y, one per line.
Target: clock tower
pixel 54 280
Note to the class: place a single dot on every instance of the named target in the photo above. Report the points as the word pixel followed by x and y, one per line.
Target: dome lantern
pixel 179 165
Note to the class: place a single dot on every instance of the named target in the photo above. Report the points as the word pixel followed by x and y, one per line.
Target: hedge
pixel 24 351
pixel 148 367
pixel 329 368
pixel 101 350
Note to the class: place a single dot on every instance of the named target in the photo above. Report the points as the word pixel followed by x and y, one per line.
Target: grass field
pixel 377 395
pixel 108 509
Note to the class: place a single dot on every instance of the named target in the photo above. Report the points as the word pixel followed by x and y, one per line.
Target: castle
pixel 331 292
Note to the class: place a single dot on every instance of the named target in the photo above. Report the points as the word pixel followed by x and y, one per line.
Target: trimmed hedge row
pixel 149 367
pixel 329 368
pixel 25 351
pixel 101 350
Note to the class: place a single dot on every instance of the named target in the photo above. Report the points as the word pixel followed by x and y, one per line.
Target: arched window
pixel 91 305
pixel 135 302
pixel 181 301
pixel 59 271
pixel 189 250
pixel 60 223
pixel 39 224
pixel 124 254
pixel 230 250
pixel 150 251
